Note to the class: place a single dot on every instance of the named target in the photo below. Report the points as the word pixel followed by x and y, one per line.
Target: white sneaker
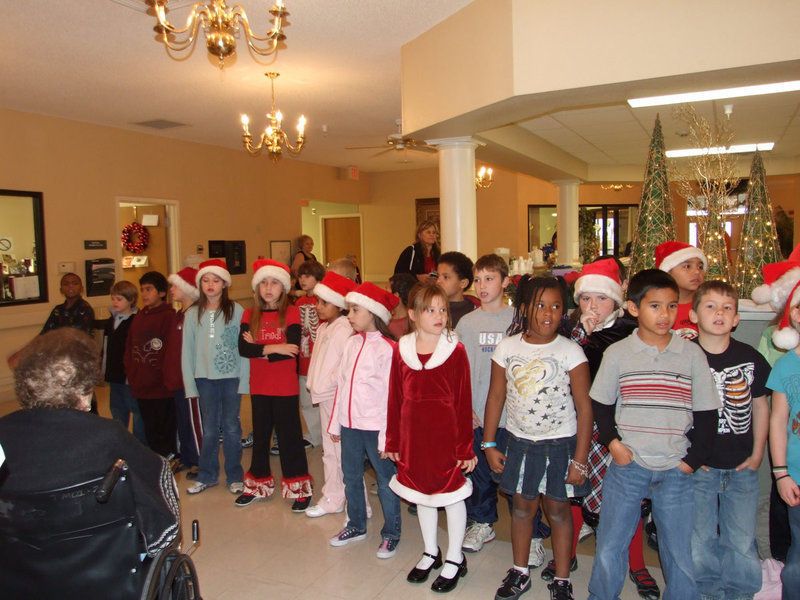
pixel 536 556
pixel 585 532
pixel 477 535
pixel 318 511
pixel 198 487
pixel 237 487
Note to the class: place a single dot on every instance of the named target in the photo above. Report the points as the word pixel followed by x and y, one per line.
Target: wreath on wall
pixel 135 238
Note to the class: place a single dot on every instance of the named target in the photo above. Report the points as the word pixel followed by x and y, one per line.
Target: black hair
pixel 156 279
pixel 529 291
pixel 647 280
pixel 401 284
pixel 461 264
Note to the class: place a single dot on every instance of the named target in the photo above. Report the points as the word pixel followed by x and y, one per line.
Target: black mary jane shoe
pixel 443 584
pixel 417 575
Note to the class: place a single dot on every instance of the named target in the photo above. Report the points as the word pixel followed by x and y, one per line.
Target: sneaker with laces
pixel 387 549
pixel 247 442
pixel 585 532
pixel 514 585
pixel 198 487
pixel 549 572
pixel 347 535
pixel 301 504
pixel 560 589
pixel 237 487
pixel 536 554
pixel 477 535
pixel 274 449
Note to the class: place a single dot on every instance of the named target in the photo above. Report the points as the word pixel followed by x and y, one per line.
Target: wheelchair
pixel 82 542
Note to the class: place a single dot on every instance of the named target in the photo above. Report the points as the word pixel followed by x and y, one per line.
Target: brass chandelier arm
pixel 200 15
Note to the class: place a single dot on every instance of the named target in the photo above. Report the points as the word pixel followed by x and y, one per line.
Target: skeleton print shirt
pixel 740 374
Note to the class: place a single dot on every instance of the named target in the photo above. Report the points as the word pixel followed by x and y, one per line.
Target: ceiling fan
pixel 398 141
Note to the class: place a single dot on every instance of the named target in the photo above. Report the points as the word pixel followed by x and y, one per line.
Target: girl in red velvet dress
pixel 429 430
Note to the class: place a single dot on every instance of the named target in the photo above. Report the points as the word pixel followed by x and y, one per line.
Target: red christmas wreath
pixel 135 238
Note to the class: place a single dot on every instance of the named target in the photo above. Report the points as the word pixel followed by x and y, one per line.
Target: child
pixel 726 486
pixel 543 380
pixel 429 431
pixel 400 285
pixel 344 267
pixel 687 265
pixel 75 311
pixel 651 388
pixel 309 274
pixel 455 276
pixel 480 331
pixel 145 350
pixel 332 336
pixel 270 338
pixel 359 415
pixel 115 332
pixel 214 372
pixel 187 410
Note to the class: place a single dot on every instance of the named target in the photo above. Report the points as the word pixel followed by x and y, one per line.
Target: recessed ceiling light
pixel 738 92
pixel 764 146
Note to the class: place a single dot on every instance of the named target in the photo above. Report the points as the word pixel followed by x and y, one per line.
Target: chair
pixel 82 542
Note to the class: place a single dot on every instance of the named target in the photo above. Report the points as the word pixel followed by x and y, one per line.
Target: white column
pixel 567 221
pixel 458 212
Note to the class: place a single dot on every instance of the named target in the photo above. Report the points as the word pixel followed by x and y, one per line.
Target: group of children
pixel 641 393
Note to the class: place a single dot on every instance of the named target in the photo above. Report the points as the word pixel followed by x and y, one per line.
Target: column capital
pixel 463 141
pixel 566 181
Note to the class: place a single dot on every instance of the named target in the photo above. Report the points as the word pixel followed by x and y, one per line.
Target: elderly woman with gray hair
pixel 54 441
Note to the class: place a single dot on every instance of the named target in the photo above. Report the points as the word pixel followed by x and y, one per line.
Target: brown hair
pixel 491 262
pixel 435 250
pixel 225 303
pixel 125 289
pixel 313 268
pixel 421 297
pixel 57 369
pixel 715 285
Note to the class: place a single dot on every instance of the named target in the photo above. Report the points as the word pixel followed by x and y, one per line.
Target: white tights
pixel 456 527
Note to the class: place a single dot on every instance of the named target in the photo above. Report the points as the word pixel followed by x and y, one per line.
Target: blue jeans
pixel 124 407
pixel 624 488
pixel 357 443
pixel 790 576
pixel 219 406
pixel 726 563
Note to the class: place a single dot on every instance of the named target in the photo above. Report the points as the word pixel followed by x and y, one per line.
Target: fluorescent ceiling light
pixel 764 146
pixel 739 92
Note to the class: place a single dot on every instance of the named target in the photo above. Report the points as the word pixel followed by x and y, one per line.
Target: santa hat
pixel 215 266
pixel 333 288
pixel 184 280
pixel 781 288
pixel 670 254
pixel 266 267
pixel 601 277
pixel 375 299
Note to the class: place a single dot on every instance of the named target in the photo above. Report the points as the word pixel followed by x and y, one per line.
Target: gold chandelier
pixel 221 27
pixel 274 138
pixel 483 179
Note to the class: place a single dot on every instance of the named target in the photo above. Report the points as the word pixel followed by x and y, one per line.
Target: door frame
pixel 171 208
pixel 323 218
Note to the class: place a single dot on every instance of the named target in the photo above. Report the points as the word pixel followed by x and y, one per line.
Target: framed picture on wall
pixel 281 250
pixel 233 252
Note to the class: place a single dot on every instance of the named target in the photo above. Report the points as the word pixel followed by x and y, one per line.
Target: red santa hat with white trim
pixel 781 289
pixel 333 288
pixel 601 277
pixel 375 299
pixel 266 267
pixel 214 266
pixel 670 254
pixel 185 280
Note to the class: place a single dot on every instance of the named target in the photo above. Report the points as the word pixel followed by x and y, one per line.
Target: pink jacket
pixel 326 357
pixel 362 393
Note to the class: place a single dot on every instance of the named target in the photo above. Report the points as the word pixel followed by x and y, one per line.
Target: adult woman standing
pixel 305 244
pixel 420 258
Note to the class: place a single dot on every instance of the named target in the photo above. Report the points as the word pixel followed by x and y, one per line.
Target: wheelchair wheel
pixel 172 576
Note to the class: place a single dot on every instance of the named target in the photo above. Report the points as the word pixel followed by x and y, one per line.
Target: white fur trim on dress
pixel 278 273
pixel 323 291
pixel 214 270
pixel 434 500
pixel 444 348
pixel 373 306
pixel 187 288
pixel 677 257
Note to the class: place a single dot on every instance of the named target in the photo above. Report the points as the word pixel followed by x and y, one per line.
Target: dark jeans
pixel 190 428
pixel 158 415
pixel 281 413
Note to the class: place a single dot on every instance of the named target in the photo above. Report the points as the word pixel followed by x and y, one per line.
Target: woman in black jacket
pixel 420 258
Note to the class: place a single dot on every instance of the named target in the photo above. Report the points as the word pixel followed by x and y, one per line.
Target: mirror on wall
pixel 23 277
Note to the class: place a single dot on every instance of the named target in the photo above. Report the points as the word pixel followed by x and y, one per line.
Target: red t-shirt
pixel 278 378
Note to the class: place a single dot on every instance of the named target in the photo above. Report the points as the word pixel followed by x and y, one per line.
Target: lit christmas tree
pixel 758 245
pixel 655 224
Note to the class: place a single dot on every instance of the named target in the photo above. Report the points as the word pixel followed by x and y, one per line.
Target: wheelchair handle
pixel 118 469
pixel 195 538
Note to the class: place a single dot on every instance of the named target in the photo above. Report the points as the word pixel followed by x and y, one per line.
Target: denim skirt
pixel 540 467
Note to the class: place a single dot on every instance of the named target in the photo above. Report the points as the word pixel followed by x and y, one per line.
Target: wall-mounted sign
pixel 95 244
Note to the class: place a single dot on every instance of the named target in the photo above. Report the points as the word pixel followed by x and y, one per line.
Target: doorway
pixel 341 235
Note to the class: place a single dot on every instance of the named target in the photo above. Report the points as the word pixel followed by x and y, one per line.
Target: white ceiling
pixel 97 61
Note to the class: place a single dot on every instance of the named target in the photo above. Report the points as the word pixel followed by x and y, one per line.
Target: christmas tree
pixel 655 224
pixel 758 245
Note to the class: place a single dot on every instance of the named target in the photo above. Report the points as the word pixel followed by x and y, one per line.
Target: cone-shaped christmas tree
pixel 758 245
pixel 655 224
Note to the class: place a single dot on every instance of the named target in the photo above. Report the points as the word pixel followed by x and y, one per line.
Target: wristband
pixel 485 445
pixel 779 469
pixel 581 468
pixel 782 477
